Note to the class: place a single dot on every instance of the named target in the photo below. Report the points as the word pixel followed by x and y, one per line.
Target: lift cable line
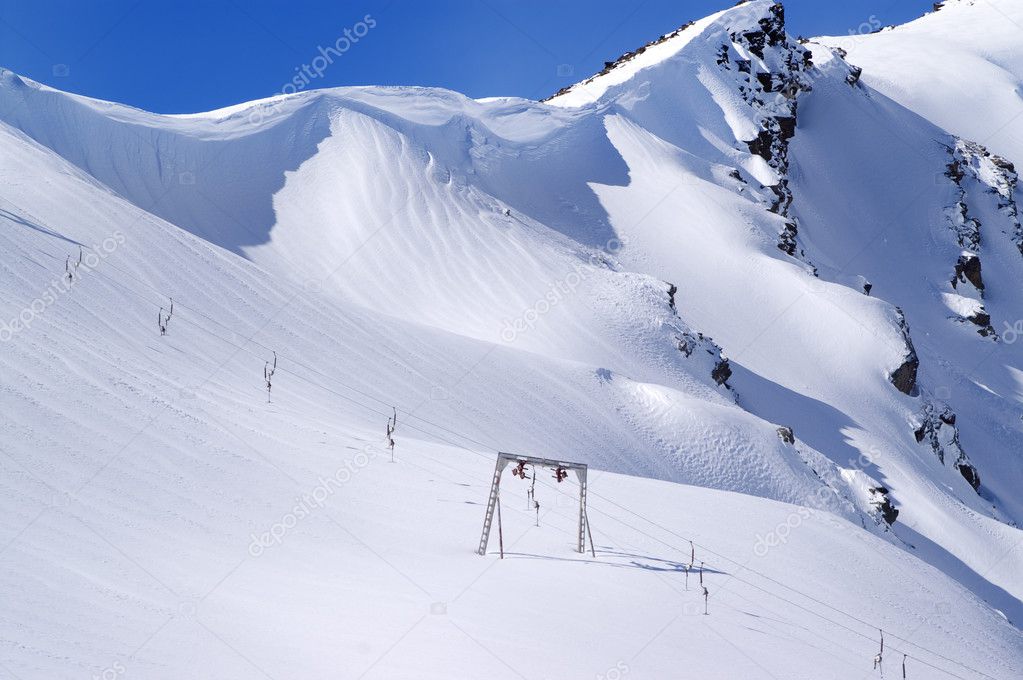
pixel 490 447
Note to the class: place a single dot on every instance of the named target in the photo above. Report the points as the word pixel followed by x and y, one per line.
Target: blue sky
pixel 195 55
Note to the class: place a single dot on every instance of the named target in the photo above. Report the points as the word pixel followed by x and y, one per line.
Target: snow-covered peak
pixel 756 15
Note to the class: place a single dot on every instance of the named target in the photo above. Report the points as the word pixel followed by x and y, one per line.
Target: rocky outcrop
pixel 984 184
pixel 937 428
pixel 883 504
pixel 690 343
pixel 968 269
pixel 722 372
pixel 971 163
pixel 904 377
pixel 771 84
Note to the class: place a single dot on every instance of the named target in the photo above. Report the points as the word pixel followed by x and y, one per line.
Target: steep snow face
pixel 960 67
pixel 705 265
pixel 907 246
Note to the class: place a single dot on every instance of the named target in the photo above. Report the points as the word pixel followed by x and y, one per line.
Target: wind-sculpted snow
pixel 727 261
pixel 960 67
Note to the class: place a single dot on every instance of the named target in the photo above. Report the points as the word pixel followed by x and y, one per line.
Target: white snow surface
pixel 541 278
pixel 960 67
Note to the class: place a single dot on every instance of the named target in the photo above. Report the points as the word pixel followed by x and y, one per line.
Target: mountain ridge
pixel 714 272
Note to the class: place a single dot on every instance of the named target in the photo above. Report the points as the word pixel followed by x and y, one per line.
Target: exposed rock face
pixel 904 377
pixel 983 319
pixel 938 429
pixel 854 77
pixel 971 163
pixel 689 342
pixel 968 269
pixel 770 71
pixel 722 372
pixel 984 184
pixel 881 501
pixel 786 435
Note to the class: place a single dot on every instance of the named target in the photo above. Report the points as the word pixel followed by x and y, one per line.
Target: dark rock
pixel 671 296
pixel 723 53
pixel 774 96
pixel 787 126
pixel 722 372
pixel 954 171
pixel 889 513
pixel 792 88
pixel 970 474
pixel 761 146
pixel 756 41
pixel 787 239
pixel 938 429
pixel 867 287
pixel 982 319
pixel 904 377
pixel 787 435
pixel 968 269
pixel 1003 164
pixel 774 26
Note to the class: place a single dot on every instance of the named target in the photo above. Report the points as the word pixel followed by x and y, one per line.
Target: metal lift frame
pixel 494 503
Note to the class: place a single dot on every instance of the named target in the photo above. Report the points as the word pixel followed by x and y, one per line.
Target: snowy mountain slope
pixel 355 346
pixel 524 276
pixel 567 292
pixel 959 67
pixel 185 463
pixel 865 423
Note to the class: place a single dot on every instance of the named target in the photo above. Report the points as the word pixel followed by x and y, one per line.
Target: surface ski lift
pixel 561 469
